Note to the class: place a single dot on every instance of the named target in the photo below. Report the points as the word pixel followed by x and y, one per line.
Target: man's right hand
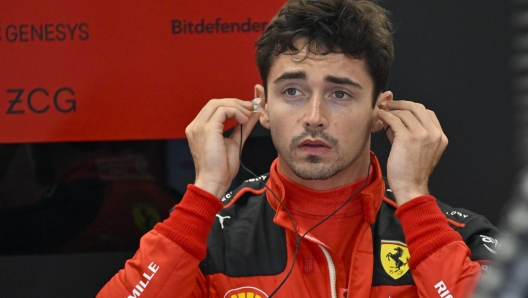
pixel 217 159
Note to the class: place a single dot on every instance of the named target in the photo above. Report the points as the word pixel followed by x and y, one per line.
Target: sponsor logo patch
pixel 146 215
pixel 221 219
pixel 494 245
pixel 394 258
pixel 245 292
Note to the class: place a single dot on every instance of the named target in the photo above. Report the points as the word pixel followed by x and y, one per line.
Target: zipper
pixel 332 270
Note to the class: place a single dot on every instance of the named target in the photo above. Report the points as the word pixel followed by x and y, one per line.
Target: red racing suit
pixel 246 246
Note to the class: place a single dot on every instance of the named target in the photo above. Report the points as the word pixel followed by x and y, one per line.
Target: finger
pixel 205 114
pixel 444 140
pixel 223 113
pixel 418 110
pixel 214 104
pixel 392 123
pixel 435 120
pixel 246 129
pixel 410 121
pixel 389 133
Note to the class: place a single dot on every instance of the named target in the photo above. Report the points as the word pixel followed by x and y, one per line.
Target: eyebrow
pixel 301 75
pixel 291 76
pixel 342 81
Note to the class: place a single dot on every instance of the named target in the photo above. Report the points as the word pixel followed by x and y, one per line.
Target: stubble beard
pixel 312 167
pixel 314 170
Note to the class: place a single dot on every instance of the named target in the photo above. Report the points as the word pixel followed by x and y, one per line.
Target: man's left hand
pixel 417 143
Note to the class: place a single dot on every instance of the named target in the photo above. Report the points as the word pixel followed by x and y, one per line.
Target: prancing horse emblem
pixel 394 257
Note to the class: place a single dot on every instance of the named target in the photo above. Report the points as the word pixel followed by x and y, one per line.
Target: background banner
pixel 122 70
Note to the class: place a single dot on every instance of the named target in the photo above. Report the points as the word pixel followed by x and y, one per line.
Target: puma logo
pixel 221 219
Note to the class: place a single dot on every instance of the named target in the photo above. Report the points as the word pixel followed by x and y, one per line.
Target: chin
pixel 316 171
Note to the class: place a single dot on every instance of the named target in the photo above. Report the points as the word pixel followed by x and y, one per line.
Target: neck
pixel 320 203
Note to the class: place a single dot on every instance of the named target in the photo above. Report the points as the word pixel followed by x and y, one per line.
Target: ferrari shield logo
pixel 394 258
pixel 146 215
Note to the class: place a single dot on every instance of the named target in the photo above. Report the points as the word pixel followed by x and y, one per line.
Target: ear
pixel 381 103
pixel 264 117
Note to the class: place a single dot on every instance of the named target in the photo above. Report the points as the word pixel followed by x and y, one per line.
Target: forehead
pixel 319 65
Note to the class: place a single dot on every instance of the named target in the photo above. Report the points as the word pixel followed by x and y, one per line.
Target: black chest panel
pixel 247 242
pixel 244 240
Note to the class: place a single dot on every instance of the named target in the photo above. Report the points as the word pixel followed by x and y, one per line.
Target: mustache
pixel 319 134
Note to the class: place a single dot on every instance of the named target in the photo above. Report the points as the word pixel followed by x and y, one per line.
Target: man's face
pixel 319 111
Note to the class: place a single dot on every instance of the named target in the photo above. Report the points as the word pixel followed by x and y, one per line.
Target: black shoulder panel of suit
pixel 254 183
pixel 477 232
pixel 244 240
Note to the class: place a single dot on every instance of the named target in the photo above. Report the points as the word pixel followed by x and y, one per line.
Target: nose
pixel 316 118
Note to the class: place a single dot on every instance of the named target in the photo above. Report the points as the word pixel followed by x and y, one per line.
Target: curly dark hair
pixel 359 29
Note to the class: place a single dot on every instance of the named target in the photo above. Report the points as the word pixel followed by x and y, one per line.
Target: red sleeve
pixel 439 262
pixel 167 260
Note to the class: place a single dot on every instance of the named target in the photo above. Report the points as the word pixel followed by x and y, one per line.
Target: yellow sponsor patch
pixel 245 292
pixel 394 258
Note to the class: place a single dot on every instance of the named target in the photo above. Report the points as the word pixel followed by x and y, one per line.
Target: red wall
pixel 109 70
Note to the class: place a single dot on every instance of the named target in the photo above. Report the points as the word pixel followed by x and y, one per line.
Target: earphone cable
pixel 297 238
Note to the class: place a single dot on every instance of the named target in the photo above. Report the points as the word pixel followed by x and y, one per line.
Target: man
pixel 323 222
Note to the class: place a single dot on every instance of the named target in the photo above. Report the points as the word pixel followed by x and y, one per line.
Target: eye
pixel 340 94
pixel 291 91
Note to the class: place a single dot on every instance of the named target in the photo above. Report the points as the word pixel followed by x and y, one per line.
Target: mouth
pixel 314 147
